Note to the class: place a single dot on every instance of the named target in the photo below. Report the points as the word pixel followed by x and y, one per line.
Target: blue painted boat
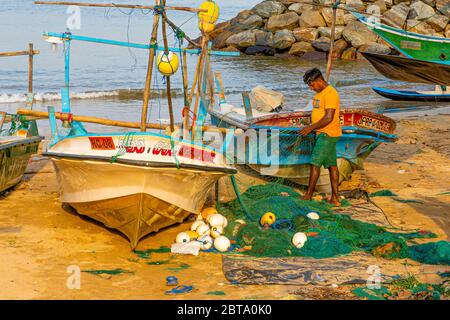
pixel 409 95
pixel 363 131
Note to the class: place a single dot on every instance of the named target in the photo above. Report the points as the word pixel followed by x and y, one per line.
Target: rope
pixel 128 139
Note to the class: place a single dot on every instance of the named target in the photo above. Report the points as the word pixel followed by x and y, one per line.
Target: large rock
pixel 350 54
pixel 339 48
pixel 355 4
pixel 252 22
pixel 348 17
pixel 357 34
pixel 396 16
pixel 263 38
pixel 326 32
pixel 438 22
pixel 267 9
pixel 419 27
pixel 381 4
pixel 312 19
pixel 443 6
pixel 283 39
pixel 300 48
pixel 287 20
pixel 260 51
pixel 420 11
pixel 447 31
pixel 237 23
pixel 219 41
pixel 327 14
pixel 375 48
pixel 305 34
pixel 322 44
pixel 314 56
pixel 242 39
pixel 431 3
pixel 299 8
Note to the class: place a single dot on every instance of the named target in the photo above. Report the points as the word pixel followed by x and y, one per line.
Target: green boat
pixel 412 45
pixel 17 144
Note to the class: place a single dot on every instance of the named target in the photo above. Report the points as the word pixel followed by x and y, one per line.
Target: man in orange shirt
pixel 325 124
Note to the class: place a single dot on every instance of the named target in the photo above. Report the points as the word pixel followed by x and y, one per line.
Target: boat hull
pixel 406 95
pixel 14 157
pixel 134 193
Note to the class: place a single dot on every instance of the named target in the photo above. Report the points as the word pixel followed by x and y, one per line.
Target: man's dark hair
pixel 311 75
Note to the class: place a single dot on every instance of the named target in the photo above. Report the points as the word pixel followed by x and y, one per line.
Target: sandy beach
pixel 40 239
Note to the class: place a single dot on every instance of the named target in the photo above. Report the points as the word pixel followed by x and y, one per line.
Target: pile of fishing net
pixel 331 235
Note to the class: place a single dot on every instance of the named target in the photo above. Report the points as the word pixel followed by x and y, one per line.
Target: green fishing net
pixel 332 235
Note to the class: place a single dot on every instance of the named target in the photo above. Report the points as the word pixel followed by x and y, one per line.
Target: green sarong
pixel 324 152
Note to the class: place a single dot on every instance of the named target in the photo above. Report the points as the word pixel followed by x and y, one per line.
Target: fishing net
pixel 333 234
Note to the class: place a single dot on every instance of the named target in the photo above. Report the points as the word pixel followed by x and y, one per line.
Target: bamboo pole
pixel 116 5
pixel 107 122
pixel 166 51
pixel 186 96
pixel 333 35
pixel 18 53
pixel 148 80
pixel 30 68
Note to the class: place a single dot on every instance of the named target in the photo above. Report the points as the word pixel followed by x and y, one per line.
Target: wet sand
pixel 40 239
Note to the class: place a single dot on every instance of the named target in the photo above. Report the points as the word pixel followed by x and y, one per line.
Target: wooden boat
pixel 363 131
pixel 409 95
pixel 135 182
pixel 21 140
pixel 412 45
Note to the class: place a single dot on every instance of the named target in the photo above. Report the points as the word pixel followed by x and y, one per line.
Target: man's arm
pixel 326 120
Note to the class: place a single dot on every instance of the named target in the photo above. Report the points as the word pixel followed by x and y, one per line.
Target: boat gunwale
pixel 28 140
pixel 138 163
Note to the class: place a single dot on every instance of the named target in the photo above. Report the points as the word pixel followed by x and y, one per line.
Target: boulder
pixel 322 44
pixel 355 4
pixel 327 14
pixel 236 24
pixel 312 18
pixel 299 8
pixel 357 34
pixel 348 17
pixel 252 22
pixel 420 11
pixel 375 48
pixel 219 41
pixel 305 34
pixel 326 32
pixel 431 3
pixel 447 31
pixel 314 56
pixel 381 4
pixel 438 22
pixel 260 51
pixel 443 7
pixel 396 16
pixel 283 39
pixel 419 27
pixel 287 20
pixel 300 48
pixel 339 48
pixel 263 38
pixel 242 39
pixel 231 49
pixel 267 9
pixel 350 54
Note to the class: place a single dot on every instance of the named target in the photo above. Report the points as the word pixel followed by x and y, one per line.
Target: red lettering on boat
pixel 102 143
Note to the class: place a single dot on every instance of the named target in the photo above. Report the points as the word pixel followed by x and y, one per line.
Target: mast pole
pixel 151 60
pixel 333 35
pixel 166 51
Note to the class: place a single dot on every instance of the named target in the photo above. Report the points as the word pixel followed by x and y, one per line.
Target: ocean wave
pixel 121 94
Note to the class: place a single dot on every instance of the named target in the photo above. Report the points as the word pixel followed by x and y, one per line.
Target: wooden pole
pixel 199 78
pixel 186 96
pixel 148 80
pixel 30 68
pixel 18 53
pixel 333 35
pixel 107 122
pixel 168 88
pixel 116 5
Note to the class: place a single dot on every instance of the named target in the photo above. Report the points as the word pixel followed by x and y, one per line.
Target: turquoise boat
pixel 412 45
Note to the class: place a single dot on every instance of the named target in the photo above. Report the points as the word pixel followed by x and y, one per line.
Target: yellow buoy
pixel 207 212
pixel 206 27
pixel 267 219
pixel 192 235
pixel 167 63
pixel 213 12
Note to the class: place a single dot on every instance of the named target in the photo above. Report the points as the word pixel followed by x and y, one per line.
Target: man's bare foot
pixel 306 197
pixel 334 201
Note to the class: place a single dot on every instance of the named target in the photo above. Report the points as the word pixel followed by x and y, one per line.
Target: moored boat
pixel 410 95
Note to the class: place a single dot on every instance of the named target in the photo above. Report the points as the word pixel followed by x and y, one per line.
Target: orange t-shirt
pixel 327 99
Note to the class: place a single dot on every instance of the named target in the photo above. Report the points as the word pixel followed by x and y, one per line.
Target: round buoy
pixel 216 231
pixel 195 225
pixel 205 26
pixel 182 237
pixel 299 239
pixel 222 243
pixel 203 229
pixel 206 242
pixel 212 14
pixel 193 235
pixel 267 219
pixel 216 220
pixel 313 216
pixel 167 63
pixel 207 212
